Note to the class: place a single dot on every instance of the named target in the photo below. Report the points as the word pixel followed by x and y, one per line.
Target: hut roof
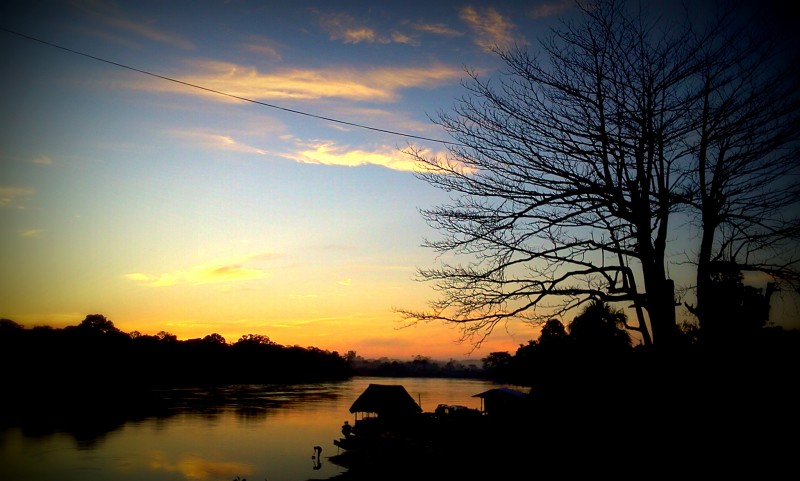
pixel 501 392
pixel 385 400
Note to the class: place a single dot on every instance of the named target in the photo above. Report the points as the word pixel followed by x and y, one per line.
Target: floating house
pixel 384 401
pixel 380 411
pixel 503 402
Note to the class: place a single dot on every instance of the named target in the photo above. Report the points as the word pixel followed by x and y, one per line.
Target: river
pixel 254 432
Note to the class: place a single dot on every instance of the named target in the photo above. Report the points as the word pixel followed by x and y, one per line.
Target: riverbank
pixel 724 419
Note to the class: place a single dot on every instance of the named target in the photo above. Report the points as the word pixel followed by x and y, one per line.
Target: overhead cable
pixel 218 92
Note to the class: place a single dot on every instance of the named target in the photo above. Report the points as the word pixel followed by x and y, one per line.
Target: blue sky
pixel 168 207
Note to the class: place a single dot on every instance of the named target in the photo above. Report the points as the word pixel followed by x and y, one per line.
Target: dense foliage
pixel 94 355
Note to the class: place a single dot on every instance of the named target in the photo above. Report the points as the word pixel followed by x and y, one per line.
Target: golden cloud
pixel 198 275
pixel 399 37
pixel 43 160
pixel 330 154
pixel 341 26
pixel 348 29
pixel 13 197
pixel 491 29
pixel 356 35
pixel 31 233
pixel 376 85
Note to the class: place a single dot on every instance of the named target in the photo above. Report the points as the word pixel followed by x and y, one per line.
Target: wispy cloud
pixel 30 232
pixel 375 85
pixel 437 29
pixel 14 197
pixel 263 47
pixel 115 24
pixel 151 33
pixel 329 153
pixel 490 28
pixel 214 141
pixel 399 37
pixel 198 275
pixel 348 29
pixel 345 282
pixel 107 37
pixel 43 160
pixel 549 9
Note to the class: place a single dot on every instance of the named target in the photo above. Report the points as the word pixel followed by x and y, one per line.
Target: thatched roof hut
pixel 385 400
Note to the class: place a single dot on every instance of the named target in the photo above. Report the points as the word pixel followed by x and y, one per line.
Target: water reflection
pixel 249 431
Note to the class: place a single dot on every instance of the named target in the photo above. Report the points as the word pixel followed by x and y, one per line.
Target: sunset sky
pixel 167 207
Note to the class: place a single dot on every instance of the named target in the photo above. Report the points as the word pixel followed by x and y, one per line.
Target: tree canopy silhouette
pixel 96 357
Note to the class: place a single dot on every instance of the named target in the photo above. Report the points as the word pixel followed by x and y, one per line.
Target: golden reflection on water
pixel 192 467
pixel 259 438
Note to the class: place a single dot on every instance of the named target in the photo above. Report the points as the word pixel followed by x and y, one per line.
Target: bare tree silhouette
pixel 585 173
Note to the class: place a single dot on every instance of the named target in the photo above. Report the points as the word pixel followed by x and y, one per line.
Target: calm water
pixel 256 432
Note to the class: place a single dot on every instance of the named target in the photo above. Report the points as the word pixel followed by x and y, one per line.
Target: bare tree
pixel 744 188
pixel 568 170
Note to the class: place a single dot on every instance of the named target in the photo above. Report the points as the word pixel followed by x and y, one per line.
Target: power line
pixel 218 92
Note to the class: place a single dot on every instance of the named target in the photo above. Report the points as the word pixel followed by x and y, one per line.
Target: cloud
pixel 107 37
pixel 549 9
pixel 43 160
pixel 348 29
pixel 14 197
pixel 264 47
pixel 437 29
pixel 198 275
pixel 323 153
pixel 109 14
pixel 375 85
pixel 208 140
pixel 399 37
pixel 356 35
pixel 328 153
pixel 30 233
pixel 345 282
pixel 160 280
pixel 151 33
pixel 341 26
pixel 491 29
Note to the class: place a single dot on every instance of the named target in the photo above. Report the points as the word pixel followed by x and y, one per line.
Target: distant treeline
pixel 95 355
pixel 419 366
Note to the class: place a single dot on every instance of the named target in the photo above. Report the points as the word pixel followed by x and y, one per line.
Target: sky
pixel 236 167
